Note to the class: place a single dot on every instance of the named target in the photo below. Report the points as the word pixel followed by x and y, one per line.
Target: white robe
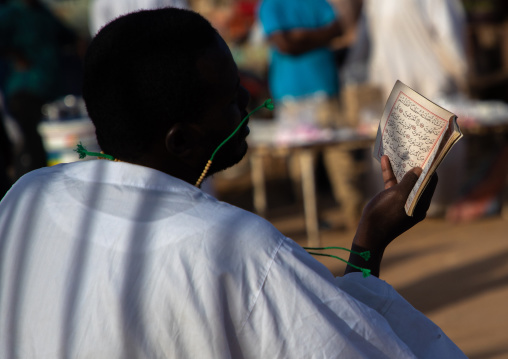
pixel 105 259
pixel 419 42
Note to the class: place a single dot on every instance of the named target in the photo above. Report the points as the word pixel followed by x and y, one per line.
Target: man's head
pixel 160 87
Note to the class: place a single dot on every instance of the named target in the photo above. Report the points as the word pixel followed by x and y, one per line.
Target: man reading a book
pixel 127 258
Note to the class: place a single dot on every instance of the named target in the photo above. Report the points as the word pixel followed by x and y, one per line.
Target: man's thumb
pixel 409 180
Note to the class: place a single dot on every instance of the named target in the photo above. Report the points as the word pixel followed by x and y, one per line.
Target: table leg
pixel 309 197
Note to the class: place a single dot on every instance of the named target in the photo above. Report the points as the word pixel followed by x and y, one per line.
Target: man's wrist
pixel 370 238
pixel 373 263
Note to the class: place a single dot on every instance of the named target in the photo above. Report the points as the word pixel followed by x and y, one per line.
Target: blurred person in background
pixel 350 11
pixel 488 52
pixel 103 11
pixel 242 19
pixel 303 80
pixel 419 42
pixel 302 67
pixel 33 39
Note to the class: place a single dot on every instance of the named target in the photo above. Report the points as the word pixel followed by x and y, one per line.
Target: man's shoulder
pixel 38 175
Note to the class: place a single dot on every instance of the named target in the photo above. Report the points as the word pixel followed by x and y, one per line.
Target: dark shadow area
pixel 454 285
pixel 394 260
pixel 493 353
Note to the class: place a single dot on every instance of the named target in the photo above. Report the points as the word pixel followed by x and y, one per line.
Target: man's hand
pixel 384 218
pixel 298 41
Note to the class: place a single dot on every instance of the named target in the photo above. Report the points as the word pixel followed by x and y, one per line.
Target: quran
pixel 414 132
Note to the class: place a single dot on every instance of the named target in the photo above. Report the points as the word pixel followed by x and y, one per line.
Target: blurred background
pixel 308 177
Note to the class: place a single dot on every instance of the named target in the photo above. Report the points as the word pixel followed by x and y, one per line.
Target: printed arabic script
pixel 411 135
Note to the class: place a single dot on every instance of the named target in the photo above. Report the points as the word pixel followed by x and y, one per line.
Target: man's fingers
pixel 389 178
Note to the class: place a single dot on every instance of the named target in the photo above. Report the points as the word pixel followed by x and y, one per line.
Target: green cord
pixel 365 271
pixel 268 104
pixel 365 255
pixel 82 152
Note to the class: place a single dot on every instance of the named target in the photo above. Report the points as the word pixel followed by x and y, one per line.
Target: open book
pixel 415 132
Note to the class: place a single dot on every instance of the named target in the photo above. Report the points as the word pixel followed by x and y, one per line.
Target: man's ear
pixel 182 140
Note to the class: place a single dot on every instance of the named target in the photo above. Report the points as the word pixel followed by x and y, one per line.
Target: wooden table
pixel 262 143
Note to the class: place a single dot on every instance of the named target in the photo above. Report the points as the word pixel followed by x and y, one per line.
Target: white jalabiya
pixel 419 42
pixel 105 259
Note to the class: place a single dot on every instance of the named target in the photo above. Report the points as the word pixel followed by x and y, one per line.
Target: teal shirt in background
pixel 306 74
pixel 37 36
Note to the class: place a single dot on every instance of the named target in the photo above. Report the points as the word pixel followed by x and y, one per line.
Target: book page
pixel 410 133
